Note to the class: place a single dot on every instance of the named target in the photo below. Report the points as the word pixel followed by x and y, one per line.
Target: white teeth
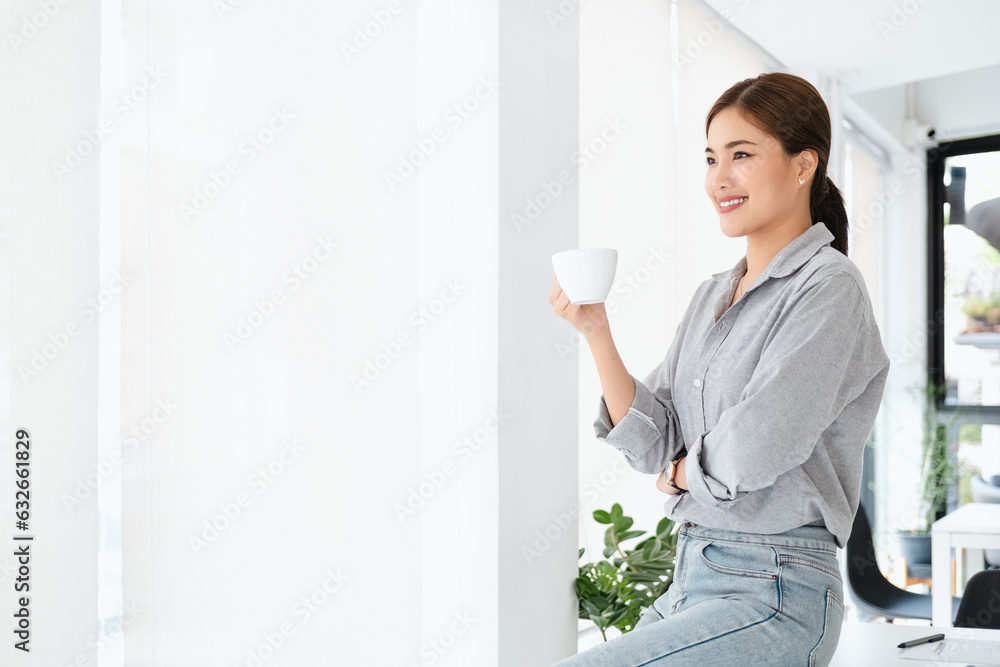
pixel 733 202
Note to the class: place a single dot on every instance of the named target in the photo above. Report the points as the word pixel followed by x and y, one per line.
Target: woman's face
pixel 744 162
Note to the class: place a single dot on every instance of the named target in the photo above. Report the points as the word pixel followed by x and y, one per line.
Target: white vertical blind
pixel 51 284
pixel 456 335
pixel 274 266
pixel 310 206
pixel 298 210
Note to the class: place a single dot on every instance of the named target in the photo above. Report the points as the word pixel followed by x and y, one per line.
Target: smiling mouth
pixel 733 202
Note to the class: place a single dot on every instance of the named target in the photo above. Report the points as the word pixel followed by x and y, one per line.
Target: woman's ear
pixel 808 160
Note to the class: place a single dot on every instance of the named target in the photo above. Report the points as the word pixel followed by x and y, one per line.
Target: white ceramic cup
pixel 586 275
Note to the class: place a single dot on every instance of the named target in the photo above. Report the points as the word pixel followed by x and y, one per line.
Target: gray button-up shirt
pixel 774 397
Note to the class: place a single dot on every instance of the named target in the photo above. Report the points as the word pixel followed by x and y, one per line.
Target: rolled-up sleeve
pixel 649 435
pixel 822 353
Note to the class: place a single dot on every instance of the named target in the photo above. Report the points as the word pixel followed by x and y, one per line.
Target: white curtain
pixel 296 400
pixel 53 282
pixel 310 207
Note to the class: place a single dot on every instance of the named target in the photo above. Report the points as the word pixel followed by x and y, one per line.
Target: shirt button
pixel 697 382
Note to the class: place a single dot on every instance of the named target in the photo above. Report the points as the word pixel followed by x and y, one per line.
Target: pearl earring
pixel 801 181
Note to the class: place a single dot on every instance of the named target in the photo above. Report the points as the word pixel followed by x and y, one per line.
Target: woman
pixel 757 418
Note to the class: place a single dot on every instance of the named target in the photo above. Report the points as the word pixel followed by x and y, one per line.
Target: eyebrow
pixel 731 144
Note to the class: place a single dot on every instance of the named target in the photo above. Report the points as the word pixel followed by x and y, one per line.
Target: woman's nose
pixel 721 175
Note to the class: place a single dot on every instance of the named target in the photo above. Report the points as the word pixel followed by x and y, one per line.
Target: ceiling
pixel 871 44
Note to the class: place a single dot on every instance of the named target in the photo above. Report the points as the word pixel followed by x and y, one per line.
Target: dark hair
pixel 790 108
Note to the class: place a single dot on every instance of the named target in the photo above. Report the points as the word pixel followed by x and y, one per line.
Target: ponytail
pixel 827 206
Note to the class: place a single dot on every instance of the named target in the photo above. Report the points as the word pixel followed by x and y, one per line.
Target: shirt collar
pixel 796 253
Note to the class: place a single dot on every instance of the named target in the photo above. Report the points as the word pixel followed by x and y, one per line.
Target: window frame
pixel 936 157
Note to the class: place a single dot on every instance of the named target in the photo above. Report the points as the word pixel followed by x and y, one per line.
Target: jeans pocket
pixel 741 560
pixel 833 620
pixel 797 558
pixel 747 573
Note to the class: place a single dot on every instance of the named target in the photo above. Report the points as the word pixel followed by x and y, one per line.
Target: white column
pixel 539 134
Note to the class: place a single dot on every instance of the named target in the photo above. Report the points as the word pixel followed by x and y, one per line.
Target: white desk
pixel 974 527
pixel 874 644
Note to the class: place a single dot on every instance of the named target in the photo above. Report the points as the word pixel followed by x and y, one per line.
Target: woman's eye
pixel 711 160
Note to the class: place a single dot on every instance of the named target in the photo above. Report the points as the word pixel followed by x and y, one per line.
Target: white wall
pixel 963 104
pixel 958 106
pixel 905 336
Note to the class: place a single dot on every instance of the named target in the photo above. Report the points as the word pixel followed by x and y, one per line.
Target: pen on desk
pixel 922 640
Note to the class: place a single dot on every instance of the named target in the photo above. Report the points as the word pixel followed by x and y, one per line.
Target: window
pixel 964 246
pixel 964 296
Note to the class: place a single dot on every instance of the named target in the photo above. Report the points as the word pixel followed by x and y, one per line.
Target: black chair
pixel 980 606
pixel 871 591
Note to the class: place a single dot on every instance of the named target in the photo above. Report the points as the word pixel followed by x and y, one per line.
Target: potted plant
pixel 938 476
pixel 984 314
pixel 614 593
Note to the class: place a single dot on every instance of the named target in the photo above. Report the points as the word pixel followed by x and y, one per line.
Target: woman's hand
pixel 589 319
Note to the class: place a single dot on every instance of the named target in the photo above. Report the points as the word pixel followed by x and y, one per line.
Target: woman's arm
pixel 619 390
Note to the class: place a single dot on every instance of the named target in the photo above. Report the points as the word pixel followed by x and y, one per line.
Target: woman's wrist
pixel 680 476
pixel 600 335
pixel 661 484
pixel 679 479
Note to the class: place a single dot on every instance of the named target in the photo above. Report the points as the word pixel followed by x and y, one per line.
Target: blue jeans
pixel 737 599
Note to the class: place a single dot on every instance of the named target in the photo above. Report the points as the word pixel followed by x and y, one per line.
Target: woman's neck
pixel 763 245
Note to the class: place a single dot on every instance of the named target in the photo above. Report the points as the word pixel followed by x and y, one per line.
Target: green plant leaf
pixel 663 528
pixel 629 534
pixel 592 608
pixel 613 593
pixel 624 523
pixel 617 616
